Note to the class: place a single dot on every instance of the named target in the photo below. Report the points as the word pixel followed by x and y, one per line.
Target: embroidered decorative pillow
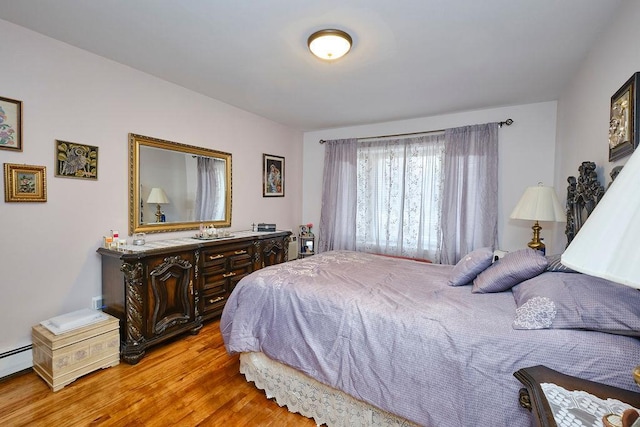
pixel 510 270
pixel 555 265
pixel 576 301
pixel 470 266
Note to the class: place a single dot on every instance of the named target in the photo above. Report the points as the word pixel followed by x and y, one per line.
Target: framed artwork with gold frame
pixel 623 120
pixel 25 183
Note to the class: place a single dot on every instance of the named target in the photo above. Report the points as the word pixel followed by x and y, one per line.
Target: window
pixel 399 191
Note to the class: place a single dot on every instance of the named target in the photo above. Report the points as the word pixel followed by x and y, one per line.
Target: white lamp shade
pixel 606 245
pixel 158 196
pixel 329 44
pixel 539 203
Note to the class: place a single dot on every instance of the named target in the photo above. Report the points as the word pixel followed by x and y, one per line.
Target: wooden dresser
pixel 169 287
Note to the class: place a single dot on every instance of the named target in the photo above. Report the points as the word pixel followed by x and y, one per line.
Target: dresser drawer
pixel 217 276
pixel 222 254
pixel 214 300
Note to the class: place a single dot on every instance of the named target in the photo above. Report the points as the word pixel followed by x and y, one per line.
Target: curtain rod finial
pixel 507 122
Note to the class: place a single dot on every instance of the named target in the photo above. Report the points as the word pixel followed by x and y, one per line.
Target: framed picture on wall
pixel 76 160
pixel 623 120
pixel 272 176
pixel 10 124
pixel 24 183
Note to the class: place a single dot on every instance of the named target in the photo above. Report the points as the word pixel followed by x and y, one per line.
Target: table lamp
pixel 538 203
pixel 159 197
pixel 606 245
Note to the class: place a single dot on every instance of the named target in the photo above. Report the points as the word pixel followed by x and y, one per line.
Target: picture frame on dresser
pixel 623 119
pixel 25 183
pixel 10 124
pixel 272 176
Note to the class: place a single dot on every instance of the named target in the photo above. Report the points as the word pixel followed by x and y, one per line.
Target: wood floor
pixel 191 381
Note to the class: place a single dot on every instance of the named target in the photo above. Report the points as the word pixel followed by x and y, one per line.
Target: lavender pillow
pixel 577 301
pixel 510 270
pixel 470 266
pixel 556 265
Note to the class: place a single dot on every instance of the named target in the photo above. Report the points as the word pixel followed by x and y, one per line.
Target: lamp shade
pixel 329 44
pixel 539 203
pixel 158 196
pixel 606 245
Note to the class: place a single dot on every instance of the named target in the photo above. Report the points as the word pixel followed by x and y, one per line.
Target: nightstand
pixel 532 396
pixel 307 245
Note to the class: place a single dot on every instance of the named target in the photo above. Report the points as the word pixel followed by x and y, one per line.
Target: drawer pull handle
pixel 212 257
pixel 213 301
pixel 241 252
pixel 229 274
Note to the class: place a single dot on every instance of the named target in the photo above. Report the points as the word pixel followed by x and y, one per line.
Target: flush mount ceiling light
pixel 329 44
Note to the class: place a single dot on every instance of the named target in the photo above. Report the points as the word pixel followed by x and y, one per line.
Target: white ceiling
pixel 411 58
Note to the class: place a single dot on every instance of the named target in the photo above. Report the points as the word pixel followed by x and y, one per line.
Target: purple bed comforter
pixel 392 333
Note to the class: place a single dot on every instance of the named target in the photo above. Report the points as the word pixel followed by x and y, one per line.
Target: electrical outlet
pixel 96 303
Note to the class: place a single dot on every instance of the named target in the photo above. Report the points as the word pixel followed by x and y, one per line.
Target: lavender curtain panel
pixel 469 216
pixel 339 192
pixel 210 189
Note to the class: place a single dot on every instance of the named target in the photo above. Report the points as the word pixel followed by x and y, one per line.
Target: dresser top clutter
pixel 153 246
pixel 164 288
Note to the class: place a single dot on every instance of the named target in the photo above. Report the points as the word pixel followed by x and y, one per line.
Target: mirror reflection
pixel 176 186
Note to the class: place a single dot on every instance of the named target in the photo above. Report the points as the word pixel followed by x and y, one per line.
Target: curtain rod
pixel 507 122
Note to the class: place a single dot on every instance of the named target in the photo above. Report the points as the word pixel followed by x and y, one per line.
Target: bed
pixel 350 338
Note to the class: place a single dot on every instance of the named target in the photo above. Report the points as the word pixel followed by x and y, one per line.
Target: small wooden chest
pixel 61 359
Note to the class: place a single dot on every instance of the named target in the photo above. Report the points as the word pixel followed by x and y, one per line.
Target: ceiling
pixel 410 58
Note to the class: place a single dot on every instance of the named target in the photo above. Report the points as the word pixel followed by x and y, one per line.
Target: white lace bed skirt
pixel 308 397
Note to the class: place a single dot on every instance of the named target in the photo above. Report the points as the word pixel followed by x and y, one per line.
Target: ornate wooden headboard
pixel 583 194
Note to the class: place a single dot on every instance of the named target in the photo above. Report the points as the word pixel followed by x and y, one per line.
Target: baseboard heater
pixel 15 351
pixel 16 361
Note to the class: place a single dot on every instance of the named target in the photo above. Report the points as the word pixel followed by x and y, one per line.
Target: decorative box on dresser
pixel 169 287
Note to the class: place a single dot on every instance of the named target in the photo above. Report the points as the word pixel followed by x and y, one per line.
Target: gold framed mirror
pixel 174 186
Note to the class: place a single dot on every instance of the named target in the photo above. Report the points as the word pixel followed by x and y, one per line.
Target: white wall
pixel 526 157
pixel 48 253
pixel 583 109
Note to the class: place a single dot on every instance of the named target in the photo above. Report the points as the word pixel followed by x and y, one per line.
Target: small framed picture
pixel 24 183
pixel 272 176
pixel 304 230
pixel 309 245
pixel 76 160
pixel 10 124
pixel 623 120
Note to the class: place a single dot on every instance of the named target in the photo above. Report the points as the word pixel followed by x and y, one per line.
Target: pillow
pixel 510 270
pixel 577 301
pixel 470 266
pixel 556 266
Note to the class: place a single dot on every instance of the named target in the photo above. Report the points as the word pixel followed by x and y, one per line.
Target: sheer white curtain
pixel 210 189
pixel 399 193
pixel 469 217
